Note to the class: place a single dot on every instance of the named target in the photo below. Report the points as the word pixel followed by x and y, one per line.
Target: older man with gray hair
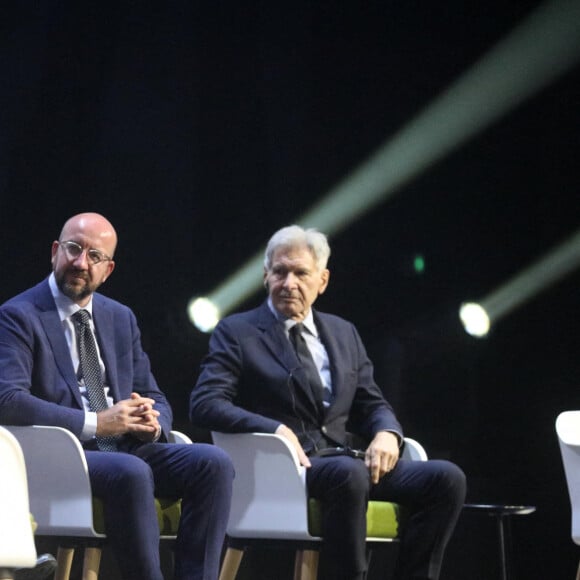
pixel 286 368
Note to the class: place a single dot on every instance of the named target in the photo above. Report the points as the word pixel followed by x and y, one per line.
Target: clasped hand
pixel 134 415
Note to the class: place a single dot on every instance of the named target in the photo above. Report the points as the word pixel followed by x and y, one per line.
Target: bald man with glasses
pixel 72 358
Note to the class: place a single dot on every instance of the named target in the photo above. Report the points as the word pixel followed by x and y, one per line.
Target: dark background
pixel 198 128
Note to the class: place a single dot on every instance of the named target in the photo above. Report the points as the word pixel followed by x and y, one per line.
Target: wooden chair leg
pixel 231 564
pixel 91 563
pixel 64 559
pixel 306 565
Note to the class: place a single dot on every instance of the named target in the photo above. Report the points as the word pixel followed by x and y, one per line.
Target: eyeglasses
pixel 74 250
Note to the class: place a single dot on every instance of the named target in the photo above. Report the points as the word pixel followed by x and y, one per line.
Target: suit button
pixel 323 429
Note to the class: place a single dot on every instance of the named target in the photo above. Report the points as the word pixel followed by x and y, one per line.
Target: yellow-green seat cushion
pixel 168 514
pixel 383 519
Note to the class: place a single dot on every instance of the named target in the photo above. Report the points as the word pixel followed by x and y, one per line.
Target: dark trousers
pixel 200 474
pixel 432 493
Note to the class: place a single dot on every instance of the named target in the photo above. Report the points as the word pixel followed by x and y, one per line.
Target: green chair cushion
pixel 383 519
pixel 168 514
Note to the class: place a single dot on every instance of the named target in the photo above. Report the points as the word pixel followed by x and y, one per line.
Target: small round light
pixel 203 313
pixel 475 319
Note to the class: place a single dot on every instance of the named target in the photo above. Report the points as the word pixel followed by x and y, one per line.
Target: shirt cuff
pixel 90 426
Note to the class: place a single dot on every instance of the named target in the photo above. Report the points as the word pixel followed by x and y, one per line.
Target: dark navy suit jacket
pixel 38 385
pixel 251 380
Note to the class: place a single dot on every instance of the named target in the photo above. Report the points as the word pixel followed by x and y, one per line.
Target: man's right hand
pixel 290 435
pixel 127 417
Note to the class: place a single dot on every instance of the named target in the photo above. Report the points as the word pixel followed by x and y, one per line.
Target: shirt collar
pixel 65 306
pixel 288 323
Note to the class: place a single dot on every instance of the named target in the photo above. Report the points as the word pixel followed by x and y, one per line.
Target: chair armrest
pixel 17 548
pixel 58 481
pixel 178 437
pixel 413 450
pixel 269 493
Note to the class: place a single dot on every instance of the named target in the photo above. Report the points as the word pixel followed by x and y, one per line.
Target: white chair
pixel 568 431
pixel 61 499
pixel 270 501
pixel 17 548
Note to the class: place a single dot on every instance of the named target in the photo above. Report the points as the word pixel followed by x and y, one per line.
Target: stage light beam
pixel 544 46
pixel 552 267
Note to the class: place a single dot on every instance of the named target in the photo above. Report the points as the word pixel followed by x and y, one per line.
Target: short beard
pixel 73 292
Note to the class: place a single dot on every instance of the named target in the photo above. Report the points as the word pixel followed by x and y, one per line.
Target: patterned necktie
pixel 90 371
pixel 305 357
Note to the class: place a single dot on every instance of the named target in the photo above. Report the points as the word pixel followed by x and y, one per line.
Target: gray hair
pixel 295 237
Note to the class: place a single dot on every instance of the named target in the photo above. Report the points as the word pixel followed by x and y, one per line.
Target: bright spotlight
pixel 203 313
pixel 475 319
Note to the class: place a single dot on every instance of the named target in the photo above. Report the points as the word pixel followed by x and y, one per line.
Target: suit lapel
pixel 52 326
pixel 274 338
pixel 329 341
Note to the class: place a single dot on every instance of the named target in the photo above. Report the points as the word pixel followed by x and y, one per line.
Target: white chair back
pixel 568 430
pixel 267 468
pixel 17 548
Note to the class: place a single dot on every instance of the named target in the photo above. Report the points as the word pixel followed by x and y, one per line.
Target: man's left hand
pixel 382 454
